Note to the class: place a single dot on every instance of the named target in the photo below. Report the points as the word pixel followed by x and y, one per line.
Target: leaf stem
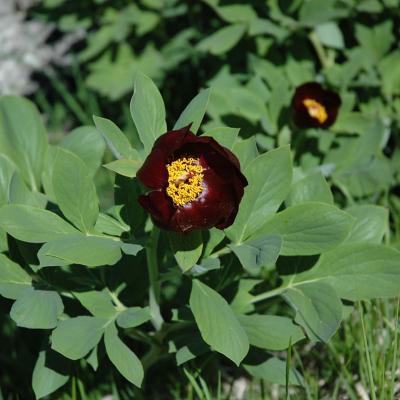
pixel 154 284
pixel 271 293
pixel 222 252
pixel 319 49
pixel 120 306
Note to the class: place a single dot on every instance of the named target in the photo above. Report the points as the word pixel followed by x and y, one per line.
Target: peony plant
pixel 204 235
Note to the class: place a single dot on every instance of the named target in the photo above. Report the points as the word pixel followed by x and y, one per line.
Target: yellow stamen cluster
pixel 316 110
pixel 184 180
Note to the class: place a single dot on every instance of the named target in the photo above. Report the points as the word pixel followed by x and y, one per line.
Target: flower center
pixel 184 180
pixel 316 110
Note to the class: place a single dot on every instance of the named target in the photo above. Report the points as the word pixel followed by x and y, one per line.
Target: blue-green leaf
pixel 75 191
pixel 194 112
pixel 217 323
pixel 148 111
pixel 123 358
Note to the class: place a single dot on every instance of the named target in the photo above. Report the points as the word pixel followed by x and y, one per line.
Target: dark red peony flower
pixel 195 182
pixel 315 107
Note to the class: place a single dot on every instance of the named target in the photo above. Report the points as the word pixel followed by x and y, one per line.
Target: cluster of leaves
pixel 253 55
pixel 81 275
pixel 105 286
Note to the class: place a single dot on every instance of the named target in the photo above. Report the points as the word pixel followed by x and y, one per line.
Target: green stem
pixel 222 252
pixel 394 359
pixel 369 366
pixel 154 284
pixel 120 306
pixel 73 389
pixel 271 293
pixel 319 49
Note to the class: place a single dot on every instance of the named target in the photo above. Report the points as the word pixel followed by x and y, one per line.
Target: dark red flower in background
pixel 195 182
pixel 315 107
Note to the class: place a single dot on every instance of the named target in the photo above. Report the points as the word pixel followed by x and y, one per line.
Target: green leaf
pixel 352 122
pixel 269 176
pixel 222 40
pixel 330 35
pixel 130 249
pixel 148 111
pixel 248 104
pixel 206 265
pixel 93 358
pixel 130 212
pixel 34 225
pixel 371 223
pixel 194 112
pixel 242 302
pixel 92 251
pixel 270 332
pixel 259 252
pixel 367 177
pixel 133 317
pixel 311 188
pixel 193 347
pixel 318 309
pixel 122 357
pixel 47 176
pixel 111 75
pixel 370 6
pixel 224 136
pixel 99 304
pixel 75 191
pixel 50 373
pixel 212 238
pixel 274 370
pixel 13 279
pixel 358 271
pixel 236 13
pixel 261 26
pixel 311 12
pixel 89 330
pixel 359 167
pixel 217 323
pixel 7 170
pixel 19 193
pixel 187 248
pixel 37 309
pixel 376 40
pixel 246 151
pixel 309 228
pixel 87 143
pixel 23 137
pixel 390 74
pixel 111 226
pixel 3 241
pixel 116 141
pixel 124 167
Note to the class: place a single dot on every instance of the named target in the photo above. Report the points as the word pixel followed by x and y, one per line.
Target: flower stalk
pixel 154 284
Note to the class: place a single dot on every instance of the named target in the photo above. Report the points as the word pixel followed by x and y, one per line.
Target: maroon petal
pixel 153 173
pixel 218 158
pixel 160 207
pixel 216 206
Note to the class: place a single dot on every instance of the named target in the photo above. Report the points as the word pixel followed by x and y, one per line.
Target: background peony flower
pixel 315 107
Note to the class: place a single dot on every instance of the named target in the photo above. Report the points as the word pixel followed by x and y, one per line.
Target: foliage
pixel 318 229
